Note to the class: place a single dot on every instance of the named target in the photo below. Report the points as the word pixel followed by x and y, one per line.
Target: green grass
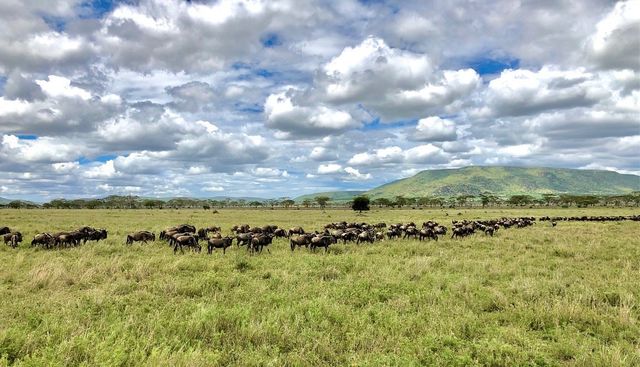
pixel 534 296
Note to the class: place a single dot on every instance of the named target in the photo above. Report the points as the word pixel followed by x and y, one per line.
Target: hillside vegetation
pixel 508 181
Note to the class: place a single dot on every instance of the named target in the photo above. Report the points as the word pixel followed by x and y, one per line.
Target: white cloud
pixel 104 170
pixel 356 175
pixel 282 114
pixel 330 168
pixel 213 188
pixel 615 43
pixel 434 128
pixel 524 92
pixel 58 86
pixel 394 83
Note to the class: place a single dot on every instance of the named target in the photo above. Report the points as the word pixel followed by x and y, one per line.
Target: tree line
pixel 483 200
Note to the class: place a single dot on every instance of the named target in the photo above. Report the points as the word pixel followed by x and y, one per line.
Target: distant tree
pixel 380 202
pixel 287 203
pixel 400 201
pixel 255 204
pixel 16 204
pixel 93 204
pixel 487 198
pixel 360 204
pixel 550 198
pixel 520 200
pixel 306 203
pixel 463 199
pixel 322 201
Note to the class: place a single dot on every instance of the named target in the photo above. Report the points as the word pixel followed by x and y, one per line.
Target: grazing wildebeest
pixel 223 243
pixel 260 241
pixel 243 239
pixel 140 236
pixel 12 239
pixel 186 240
pixel 365 236
pixel 4 230
pixel 321 241
pixel 295 230
pixel 43 239
pixel 427 233
pixel 299 241
pixel 94 235
pixel 279 232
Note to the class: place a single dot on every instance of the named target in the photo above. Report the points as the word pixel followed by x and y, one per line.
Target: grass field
pixel 533 296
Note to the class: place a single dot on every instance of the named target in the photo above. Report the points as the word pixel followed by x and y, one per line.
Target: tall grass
pixel 534 296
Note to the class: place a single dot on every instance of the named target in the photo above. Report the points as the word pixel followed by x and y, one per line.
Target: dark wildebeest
pixel 140 236
pixel 279 232
pixel 223 243
pixel 365 236
pixel 243 239
pixel 260 241
pixel 295 230
pixel 4 230
pixel 43 239
pixel 95 235
pixel 321 241
pixel 186 241
pixel 427 233
pixel 12 239
pixel 299 241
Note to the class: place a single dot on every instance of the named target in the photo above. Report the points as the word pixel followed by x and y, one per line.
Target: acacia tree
pixel 322 201
pixel 360 204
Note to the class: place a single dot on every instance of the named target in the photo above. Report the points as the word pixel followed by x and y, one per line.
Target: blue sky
pixel 282 98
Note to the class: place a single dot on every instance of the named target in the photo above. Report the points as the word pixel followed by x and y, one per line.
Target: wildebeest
pixel 43 239
pixel 223 243
pixel 5 230
pixel 365 236
pixel 203 232
pixel 260 241
pixel 12 239
pixel 299 241
pixel 295 230
pixel 321 241
pixel 243 239
pixel 186 240
pixel 140 236
pixel 427 233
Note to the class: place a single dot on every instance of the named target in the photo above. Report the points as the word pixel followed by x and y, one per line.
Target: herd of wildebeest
pixel 257 238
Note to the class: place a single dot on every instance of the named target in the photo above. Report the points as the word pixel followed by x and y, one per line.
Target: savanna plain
pixel 535 296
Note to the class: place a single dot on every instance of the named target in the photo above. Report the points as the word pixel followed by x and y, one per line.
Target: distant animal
pixel 223 243
pixel 140 236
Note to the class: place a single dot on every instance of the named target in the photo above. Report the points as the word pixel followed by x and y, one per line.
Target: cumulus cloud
pixel 318 120
pixel 325 169
pixel 524 92
pixel 424 154
pixel 395 83
pixel 615 43
pixel 434 128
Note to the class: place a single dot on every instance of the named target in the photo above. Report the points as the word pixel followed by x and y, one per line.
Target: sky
pixel 281 98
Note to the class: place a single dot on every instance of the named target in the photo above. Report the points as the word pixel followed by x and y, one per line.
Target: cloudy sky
pixel 286 97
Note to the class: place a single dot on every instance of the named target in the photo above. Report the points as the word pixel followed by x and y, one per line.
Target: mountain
pixel 507 181
pixel 4 201
pixel 335 196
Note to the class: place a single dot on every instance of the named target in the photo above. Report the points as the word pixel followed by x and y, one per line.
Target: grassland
pixel 533 296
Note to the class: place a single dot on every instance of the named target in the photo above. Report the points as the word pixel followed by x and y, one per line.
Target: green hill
pixel 335 196
pixel 508 181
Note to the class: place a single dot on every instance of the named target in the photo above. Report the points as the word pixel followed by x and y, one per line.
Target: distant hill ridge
pixel 508 181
